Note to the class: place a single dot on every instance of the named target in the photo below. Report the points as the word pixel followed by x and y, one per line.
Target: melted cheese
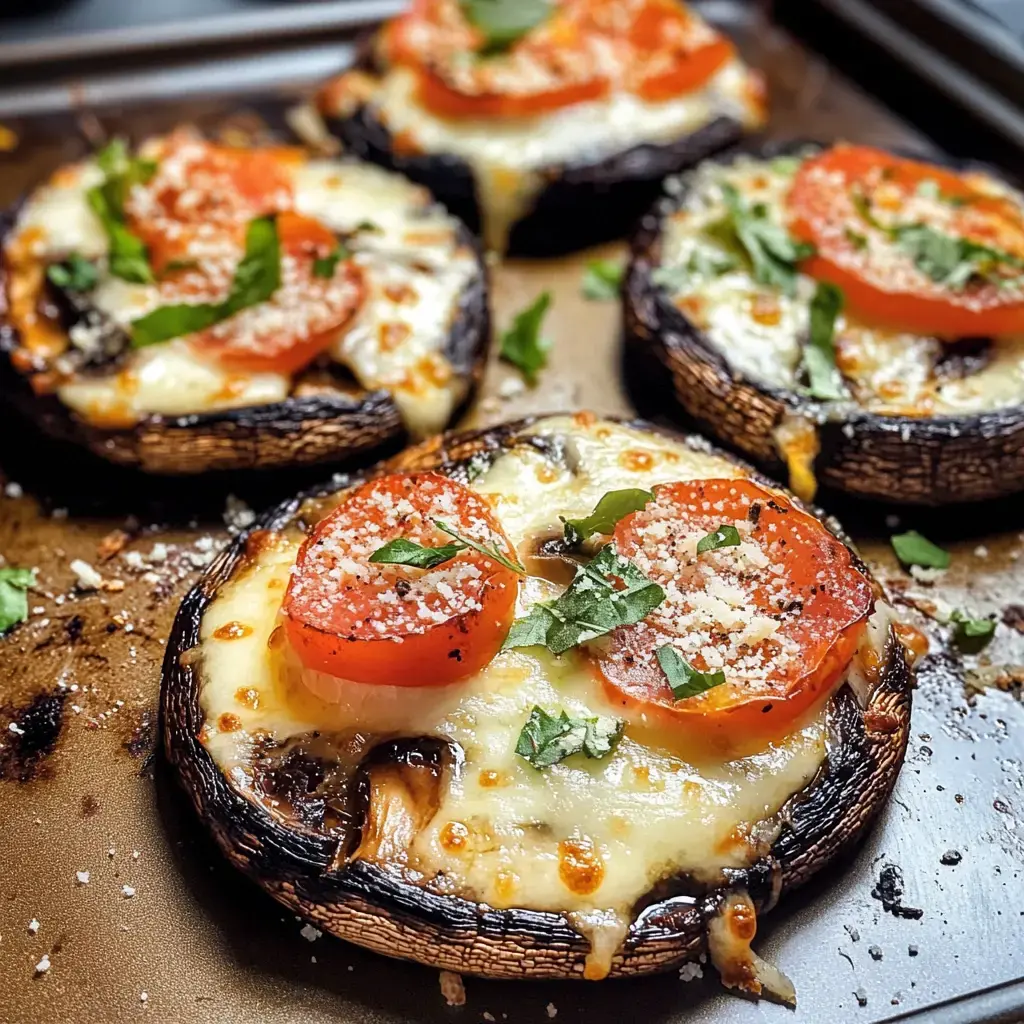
pixel 508 157
pixel 587 837
pixel 414 269
pixel 760 331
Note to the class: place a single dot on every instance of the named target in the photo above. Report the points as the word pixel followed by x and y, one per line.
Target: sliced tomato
pixel 880 281
pixel 674 52
pixel 392 624
pixel 781 614
pixel 655 48
pixel 303 318
pixel 203 195
pixel 440 98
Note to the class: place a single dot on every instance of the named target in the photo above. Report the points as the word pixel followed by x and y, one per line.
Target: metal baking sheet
pixel 83 790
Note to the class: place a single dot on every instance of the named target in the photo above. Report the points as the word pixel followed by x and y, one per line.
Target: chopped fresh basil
pixel 819 354
pixel 929 189
pixel 724 537
pixel 972 635
pixel 490 552
pixel 608 592
pixel 369 227
pixel 785 164
pixel 76 273
pixel 862 204
pixel 856 239
pixel 14 584
pixel 683 678
pixel 913 549
pixel 257 277
pixel 128 257
pixel 702 263
pixel 612 507
pixel 324 266
pixel 952 261
pixel 503 22
pixel 402 551
pixel 522 344
pixel 601 279
pixel 547 739
pixel 773 254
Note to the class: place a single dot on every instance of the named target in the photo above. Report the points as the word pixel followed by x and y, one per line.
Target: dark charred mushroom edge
pixel 581 204
pixel 307 871
pixel 332 425
pixel 916 461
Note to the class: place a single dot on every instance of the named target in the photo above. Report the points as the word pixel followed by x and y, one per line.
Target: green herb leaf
pixel 608 592
pixel 612 507
pixel 547 739
pixel 972 635
pixel 703 263
pixel 862 205
pixel 683 678
pixel 952 261
pixel 522 344
pixel 369 227
pixel 503 22
pixel 819 354
pixel 490 552
pixel 402 551
pixel 602 279
pixel 724 537
pixel 128 257
pixel 913 549
pixel 76 273
pixel 786 164
pixel 928 188
pixel 257 277
pixel 772 252
pixel 324 266
pixel 14 584
pixel 856 239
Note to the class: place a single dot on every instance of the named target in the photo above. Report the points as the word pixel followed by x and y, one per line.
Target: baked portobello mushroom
pixel 849 315
pixel 194 306
pixel 607 695
pixel 548 126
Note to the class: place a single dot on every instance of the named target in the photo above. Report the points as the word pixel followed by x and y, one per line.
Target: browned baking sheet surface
pixel 188 940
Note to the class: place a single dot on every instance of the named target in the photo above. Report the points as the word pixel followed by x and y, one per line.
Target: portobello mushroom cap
pixel 582 203
pixel 329 424
pixel 935 460
pixel 308 870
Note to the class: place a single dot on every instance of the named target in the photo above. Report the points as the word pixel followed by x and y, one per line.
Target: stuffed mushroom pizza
pixel 855 314
pixel 194 306
pixel 564 698
pixel 549 122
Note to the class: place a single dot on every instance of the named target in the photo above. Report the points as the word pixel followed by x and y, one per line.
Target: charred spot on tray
pixel 89 805
pixel 142 740
pixel 963 358
pixel 888 891
pixel 36 729
pixel 73 628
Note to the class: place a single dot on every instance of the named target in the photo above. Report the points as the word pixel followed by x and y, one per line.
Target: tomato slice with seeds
pixel 781 614
pixel 303 318
pixel 393 624
pixel 827 203
pixel 585 48
pixel 203 195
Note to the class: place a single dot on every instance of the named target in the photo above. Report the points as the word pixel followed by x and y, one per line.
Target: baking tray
pixel 85 790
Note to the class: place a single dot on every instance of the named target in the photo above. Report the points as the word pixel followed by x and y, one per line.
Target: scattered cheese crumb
pixel 82 877
pixel 309 933
pixel 552 1010
pixel 510 387
pixel 33 926
pixel 16 729
pixel 111 852
pixel 86 577
pixel 127 891
pixel 143 997
pixel 237 515
pixel 690 971
pixel 135 854
pixel 44 964
pixel 981 551
pixel 13 490
pixel 452 989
